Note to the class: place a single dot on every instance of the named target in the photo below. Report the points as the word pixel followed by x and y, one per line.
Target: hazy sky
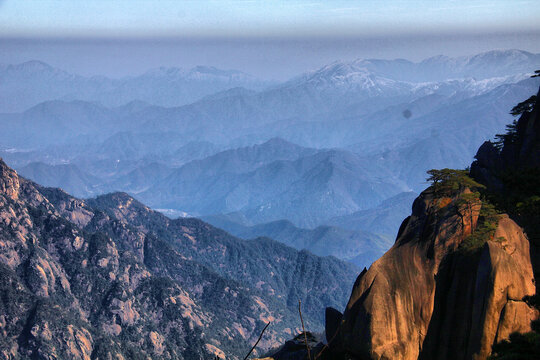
pixel 271 38
pixel 262 17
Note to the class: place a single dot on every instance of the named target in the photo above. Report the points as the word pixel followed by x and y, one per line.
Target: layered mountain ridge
pixel 262 189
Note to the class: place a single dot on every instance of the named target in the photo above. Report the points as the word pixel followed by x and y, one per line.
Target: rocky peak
pixel 520 149
pixel 9 181
pixel 429 298
pixel 454 284
pixel 110 278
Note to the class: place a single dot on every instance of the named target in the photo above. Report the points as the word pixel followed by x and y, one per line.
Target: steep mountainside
pixel 110 278
pixel 510 168
pixel 286 274
pixel 447 301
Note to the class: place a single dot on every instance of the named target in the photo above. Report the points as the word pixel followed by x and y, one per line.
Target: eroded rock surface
pixel 426 298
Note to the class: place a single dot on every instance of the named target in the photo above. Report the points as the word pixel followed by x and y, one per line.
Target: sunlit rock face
pixel 427 299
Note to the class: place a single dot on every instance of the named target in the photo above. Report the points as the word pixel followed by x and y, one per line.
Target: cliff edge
pixel 460 276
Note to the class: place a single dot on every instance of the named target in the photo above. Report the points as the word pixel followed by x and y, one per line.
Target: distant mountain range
pixel 276 180
pixel 67 176
pixel 331 147
pixel 383 219
pixel 490 64
pixel 34 82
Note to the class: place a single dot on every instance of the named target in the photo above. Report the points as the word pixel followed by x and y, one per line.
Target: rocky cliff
pixel 110 278
pixel 459 276
pixel 429 298
pixel 510 168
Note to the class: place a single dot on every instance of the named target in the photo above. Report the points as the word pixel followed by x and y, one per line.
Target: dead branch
pixel 327 345
pixel 303 328
pixel 259 339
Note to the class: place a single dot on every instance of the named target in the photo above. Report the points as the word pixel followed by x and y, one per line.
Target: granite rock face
pixel 427 299
pixel 460 277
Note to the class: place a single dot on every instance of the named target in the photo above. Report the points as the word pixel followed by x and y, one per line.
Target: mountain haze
pixel 172 86
pixel 241 181
pixel 330 147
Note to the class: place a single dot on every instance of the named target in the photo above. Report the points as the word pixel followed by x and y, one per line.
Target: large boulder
pixel 427 298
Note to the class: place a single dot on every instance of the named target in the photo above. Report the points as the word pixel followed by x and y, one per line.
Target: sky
pixel 269 38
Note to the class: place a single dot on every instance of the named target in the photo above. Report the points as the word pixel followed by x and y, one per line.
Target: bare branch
pixel 259 339
pixel 303 328
pixel 327 345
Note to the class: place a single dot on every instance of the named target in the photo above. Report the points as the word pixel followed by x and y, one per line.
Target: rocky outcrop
pixel 9 182
pixel 428 299
pixel 511 171
pixel 460 277
pixel 432 295
pixel 519 151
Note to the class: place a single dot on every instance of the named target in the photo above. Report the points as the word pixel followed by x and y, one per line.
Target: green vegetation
pixel 470 203
pixel 451 182
pixel 521 194
pixel 520 198
pixel 485 229
pixel 511 129
pixel 448 182
pixel 507 138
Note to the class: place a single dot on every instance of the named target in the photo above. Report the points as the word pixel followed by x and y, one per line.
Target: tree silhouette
pixel 524 106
